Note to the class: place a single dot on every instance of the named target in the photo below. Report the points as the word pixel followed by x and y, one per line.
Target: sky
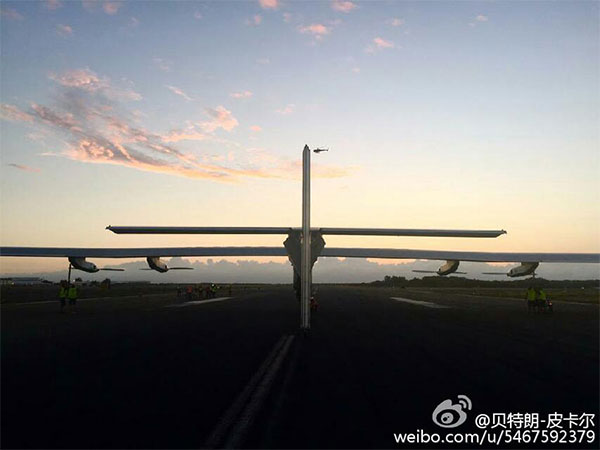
pixel 468 115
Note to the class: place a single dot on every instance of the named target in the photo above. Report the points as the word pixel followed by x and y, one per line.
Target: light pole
pixel 305 261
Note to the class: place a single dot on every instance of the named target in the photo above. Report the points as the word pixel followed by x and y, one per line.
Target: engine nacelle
pixel 155 263
pixel 82 264
pixel 526 268
pixel 448 268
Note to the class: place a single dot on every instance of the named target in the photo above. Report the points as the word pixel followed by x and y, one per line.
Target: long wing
pixel 461 255
pixel 390 253
pixel 58 252
pixel 286 230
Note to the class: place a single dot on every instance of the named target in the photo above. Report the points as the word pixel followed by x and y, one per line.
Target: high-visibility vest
pixel 62 293
pixel 72 294
pixel 542 294
pixel 530 295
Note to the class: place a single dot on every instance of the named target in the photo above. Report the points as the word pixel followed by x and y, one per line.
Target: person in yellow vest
pixel 530 299
pixel 541 297
pixel 72 295
pixel 62 295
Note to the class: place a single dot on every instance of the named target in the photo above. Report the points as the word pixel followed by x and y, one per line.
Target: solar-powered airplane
pixel 303 253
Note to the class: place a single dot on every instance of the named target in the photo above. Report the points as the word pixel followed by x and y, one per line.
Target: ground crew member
pixel 72 295
pixel 549 304
pixel 213 290
pixel 530 299
pixel 542 298
pixel 62 295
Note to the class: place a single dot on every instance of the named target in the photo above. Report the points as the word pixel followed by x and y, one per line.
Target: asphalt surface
pixel 142 373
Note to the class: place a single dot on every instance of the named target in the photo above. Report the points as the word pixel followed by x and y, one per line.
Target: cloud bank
pixel 90 114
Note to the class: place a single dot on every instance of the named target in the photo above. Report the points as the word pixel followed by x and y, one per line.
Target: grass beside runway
pixel 561 295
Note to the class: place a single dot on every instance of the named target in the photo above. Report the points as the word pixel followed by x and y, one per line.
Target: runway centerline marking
pixel 235 423
pixel 199 302
pixel 420 303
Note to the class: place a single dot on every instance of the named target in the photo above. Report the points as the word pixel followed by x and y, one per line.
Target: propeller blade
pixel 110 269
pixel 424 271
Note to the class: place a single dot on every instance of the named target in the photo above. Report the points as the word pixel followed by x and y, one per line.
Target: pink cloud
pixel 179 92
pixel 221 118
pixel 64 30
pixel 13 113
pixel 81 79
pixel 288 109
pixel 11 14
pixel 382 43
pixel 25 168
pixel 95 152
pixel 64 120
pixel 255 128
pixel 342 6
pixel 98 131
pixel 396 22
pixel 243 94
pixel 111 7
pixel 316 29
pixel 379 44
pixel 269 4
pixel 87 80
pixel 256 20
pixel 53 4
pixel 479 19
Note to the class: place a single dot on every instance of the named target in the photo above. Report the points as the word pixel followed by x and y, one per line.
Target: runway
pixel 140 373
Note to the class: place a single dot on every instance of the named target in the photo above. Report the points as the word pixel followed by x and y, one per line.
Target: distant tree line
pixel 450 281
